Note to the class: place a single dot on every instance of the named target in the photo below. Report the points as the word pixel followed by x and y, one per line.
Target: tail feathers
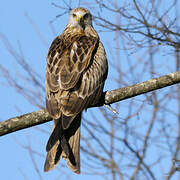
pixel 74 162
pixel 55 135
pixel 53 157
pixel 65 143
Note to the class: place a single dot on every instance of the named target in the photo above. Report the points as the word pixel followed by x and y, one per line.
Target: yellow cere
pixel 79 17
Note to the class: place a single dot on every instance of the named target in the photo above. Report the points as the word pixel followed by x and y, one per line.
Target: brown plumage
pixel 75 75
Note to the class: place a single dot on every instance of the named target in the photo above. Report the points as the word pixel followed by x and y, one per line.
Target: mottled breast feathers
pixel 74 73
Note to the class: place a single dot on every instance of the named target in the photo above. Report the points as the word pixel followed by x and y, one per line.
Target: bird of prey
pixel 75 75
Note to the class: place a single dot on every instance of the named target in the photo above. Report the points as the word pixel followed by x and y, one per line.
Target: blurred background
pixel 142 41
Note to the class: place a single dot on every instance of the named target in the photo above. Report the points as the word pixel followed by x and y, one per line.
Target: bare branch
pixel 24 121
pixel 109 97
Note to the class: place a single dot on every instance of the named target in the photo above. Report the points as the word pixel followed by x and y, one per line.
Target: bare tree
pixel 143 142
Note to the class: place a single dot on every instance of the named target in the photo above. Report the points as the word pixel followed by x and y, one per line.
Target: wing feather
pixel 75 71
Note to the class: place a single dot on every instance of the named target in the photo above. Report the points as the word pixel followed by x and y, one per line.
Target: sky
pixel 15 24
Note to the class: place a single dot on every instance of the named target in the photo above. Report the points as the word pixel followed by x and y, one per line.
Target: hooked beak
pixel 79 18
pixel 81 21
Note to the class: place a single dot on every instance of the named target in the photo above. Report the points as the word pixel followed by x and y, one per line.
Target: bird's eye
pixel 86 16
pixel 74 15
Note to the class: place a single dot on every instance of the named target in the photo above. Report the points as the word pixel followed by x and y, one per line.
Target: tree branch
pixel 109 97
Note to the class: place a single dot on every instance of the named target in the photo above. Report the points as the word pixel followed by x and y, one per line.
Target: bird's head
pixel 80 18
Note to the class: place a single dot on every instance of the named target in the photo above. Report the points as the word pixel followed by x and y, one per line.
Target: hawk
pixel 75 75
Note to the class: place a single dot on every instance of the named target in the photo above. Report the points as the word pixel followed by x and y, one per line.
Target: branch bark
pixel 109 97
